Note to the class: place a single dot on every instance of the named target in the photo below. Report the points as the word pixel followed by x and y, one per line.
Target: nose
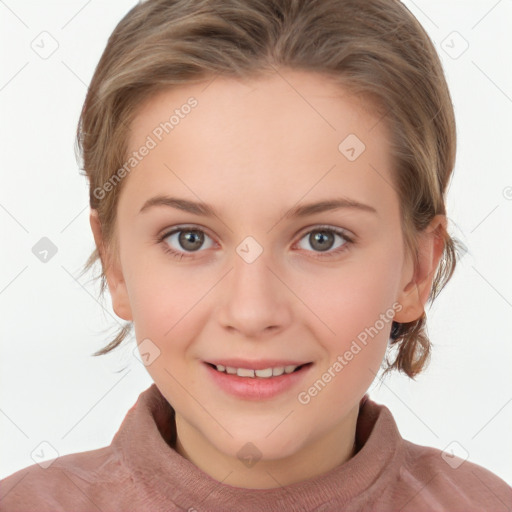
pixel 255 301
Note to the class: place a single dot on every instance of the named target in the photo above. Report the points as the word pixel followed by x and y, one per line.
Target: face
pixel 274 245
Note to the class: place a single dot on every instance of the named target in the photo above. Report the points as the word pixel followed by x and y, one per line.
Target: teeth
pixel 244 372
pixel 265 373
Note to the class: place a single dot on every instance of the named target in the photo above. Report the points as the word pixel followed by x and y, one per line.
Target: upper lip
pixel 259 364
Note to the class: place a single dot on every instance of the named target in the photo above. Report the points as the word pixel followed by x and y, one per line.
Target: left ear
pixel 414 294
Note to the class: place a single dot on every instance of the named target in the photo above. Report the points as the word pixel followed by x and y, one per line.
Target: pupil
pixel 321 240
pixel 191 240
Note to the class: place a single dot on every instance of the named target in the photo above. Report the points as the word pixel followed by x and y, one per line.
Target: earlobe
pixel 112 270
pixel 414 295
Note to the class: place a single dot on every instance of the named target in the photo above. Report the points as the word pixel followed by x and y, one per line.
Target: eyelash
pixel 180 255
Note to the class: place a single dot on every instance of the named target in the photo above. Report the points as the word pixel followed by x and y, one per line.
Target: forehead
pixel 280 96
pixel 271 136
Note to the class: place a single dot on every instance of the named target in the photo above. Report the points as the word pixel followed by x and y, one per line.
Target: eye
pixel 325 239
pixel 183 240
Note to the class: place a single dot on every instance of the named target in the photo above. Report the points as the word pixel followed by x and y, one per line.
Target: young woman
pixel 267 191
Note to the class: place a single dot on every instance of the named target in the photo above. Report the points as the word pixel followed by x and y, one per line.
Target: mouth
pixel 260 380
pixel 262 373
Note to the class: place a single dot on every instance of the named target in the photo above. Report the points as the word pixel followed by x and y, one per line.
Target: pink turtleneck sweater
pixel 140 471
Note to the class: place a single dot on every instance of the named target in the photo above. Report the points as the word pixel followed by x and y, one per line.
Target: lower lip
pixel 256 388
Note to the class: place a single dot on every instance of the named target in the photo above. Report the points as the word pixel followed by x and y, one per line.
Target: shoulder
pixel 440 480
pixel 78 481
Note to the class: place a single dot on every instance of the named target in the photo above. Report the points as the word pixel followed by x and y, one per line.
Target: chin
pixel 255 443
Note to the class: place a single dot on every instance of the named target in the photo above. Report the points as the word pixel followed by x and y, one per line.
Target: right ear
pixel 112 270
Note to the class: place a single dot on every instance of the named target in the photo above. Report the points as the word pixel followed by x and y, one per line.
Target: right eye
pixel 183 241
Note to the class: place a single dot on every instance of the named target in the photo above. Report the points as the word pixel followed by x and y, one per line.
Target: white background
pixel 52 390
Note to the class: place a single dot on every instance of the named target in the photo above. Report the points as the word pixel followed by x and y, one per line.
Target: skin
pixel 254 149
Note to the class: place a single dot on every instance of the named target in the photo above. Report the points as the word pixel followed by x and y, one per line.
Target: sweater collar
pixel 165 476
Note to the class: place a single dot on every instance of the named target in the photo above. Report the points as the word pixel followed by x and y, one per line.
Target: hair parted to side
pixel 375 49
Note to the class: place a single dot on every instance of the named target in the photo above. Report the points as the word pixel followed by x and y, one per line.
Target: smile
pixel 265 380
pixel 264 373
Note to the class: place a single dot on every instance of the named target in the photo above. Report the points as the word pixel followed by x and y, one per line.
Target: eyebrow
pixel 206 210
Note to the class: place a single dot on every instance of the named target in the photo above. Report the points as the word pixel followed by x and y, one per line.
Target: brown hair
pixel 374 48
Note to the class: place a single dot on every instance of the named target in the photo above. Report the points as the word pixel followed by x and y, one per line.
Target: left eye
pixel 324 239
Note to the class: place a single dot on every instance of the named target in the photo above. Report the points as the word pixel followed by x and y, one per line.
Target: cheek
pixel 357 305
pixel 355 302
pixel 154 285
pixel 357 287
pixel 160 305
pixel 168 303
